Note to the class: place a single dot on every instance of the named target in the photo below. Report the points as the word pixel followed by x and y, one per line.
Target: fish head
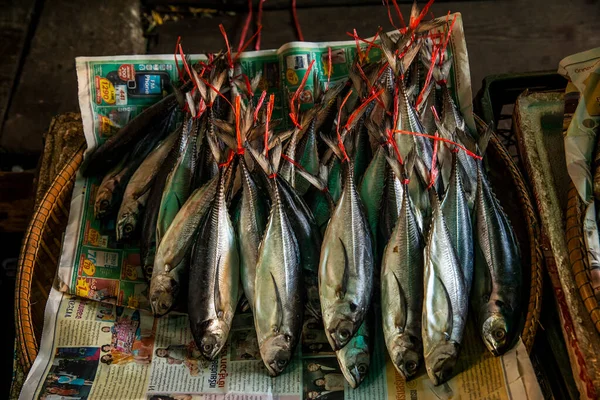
pixel 213 337
pixel 126 225
pixel 102 204
pixel 276 353
pixel 356 366
pixel 341 329
pixel 406 353
pixel 163 292
pixel 440 362
pixel 495 333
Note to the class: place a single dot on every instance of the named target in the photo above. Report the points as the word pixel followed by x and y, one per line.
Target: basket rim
pixel 61 185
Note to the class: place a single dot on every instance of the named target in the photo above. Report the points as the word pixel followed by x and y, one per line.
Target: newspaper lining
pixel 95 350
pixel 100 340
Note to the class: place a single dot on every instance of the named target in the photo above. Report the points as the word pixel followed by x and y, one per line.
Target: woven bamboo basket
pixel 577 254
pixel 42 246
pixel 39 258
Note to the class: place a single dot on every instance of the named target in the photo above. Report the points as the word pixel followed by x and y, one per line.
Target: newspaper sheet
pixel 95 350
pixel 100 340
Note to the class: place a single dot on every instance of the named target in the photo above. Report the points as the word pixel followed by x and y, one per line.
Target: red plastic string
pixel 434 55
pixel 434 171
pixel 248 85
pixel 390 132
pixel 296 22
pixel 400 16
pixel 215 89
pixel 339 137
pixel 382 70
pixel 239 53
pixel 201 109
pixel 389 12
pixel 229 60
pixel 445 45
pixel 246 26
pixel 363 105
pixel 330 66
pixel 259 105
pixel 229 159
pixel 435 113
pixel 259 23
pixel 363 76
pixel 238 135
pixel 467 151
pixel 179 69
pixel 396 105
pixel 415 22
pixel 187 67
pixel 291 161
pixel 373 44
pixel 270 106
pixel 294 110
pixel 405 181
pixel 358 49
pixel 394 145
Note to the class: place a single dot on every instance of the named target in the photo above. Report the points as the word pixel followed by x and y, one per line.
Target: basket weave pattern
pixel 40 254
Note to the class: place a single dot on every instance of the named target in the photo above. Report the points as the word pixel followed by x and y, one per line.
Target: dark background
pixel 39 40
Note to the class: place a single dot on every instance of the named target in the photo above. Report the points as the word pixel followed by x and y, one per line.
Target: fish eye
pixel 281 363
pixel 362 369
pixel 207 348
pixel 410 366
pixel 499 334
pixel 128 228
pixel 344 334
pixel 104 204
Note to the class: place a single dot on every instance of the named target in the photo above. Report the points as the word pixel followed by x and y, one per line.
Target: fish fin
pixel 394 164
pixel 414 11
pixel 426 93
pixel 409 162
pixel 401 319
pixel 333 146
pixel 484 139
pixel 216 83
pixel 312 179
pixel 332 92
pixel 278 304
pixel 216 291
pixel 179 96
pixel 255 81
pixel 260 159
pixel 189 99
pixel 215 149
pixel 200 84
pixel 341 292
pixel 450 317
pixel 223 126
pixel 276 155
pixel 409 57
pixel 388 47
pixel 229 140
pixel 281 137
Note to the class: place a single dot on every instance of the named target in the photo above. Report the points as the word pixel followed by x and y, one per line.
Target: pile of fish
pixel 373 203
